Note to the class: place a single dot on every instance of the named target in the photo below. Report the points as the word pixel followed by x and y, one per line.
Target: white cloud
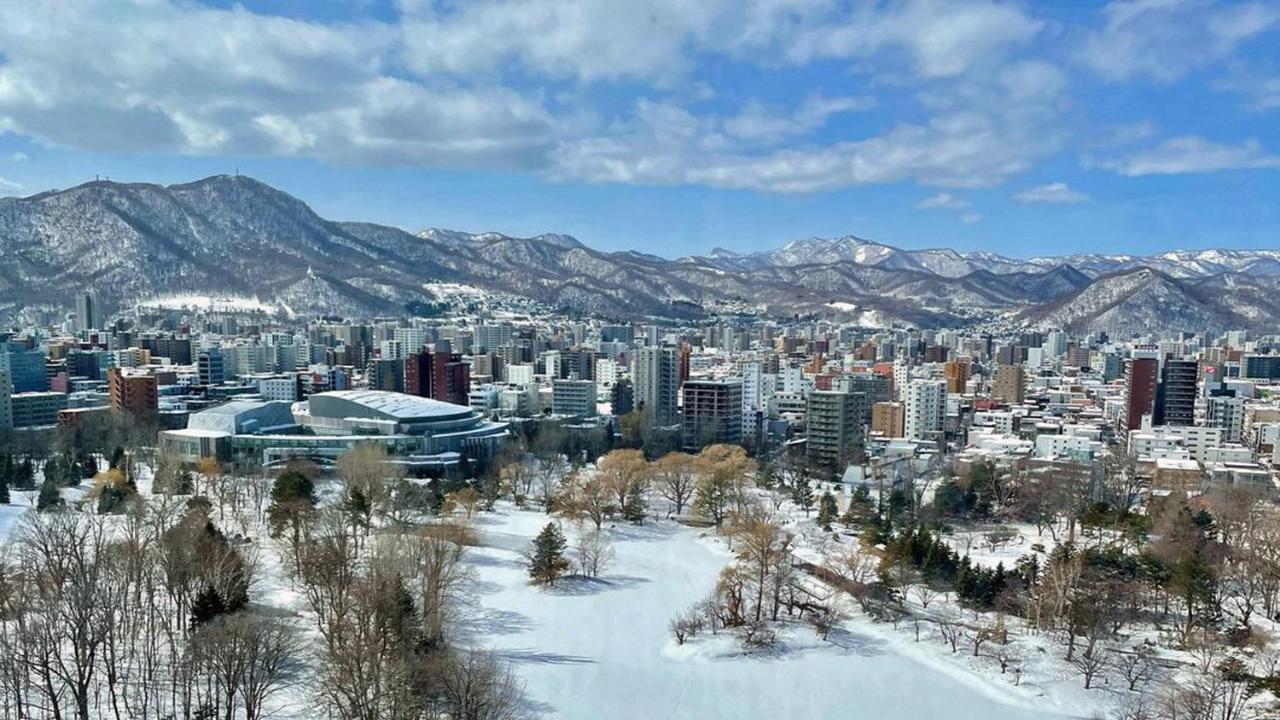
pixel 7 184
pixel 160 77
pixel 764 125
pixel 1166 39
pixel 942 201
pixel 1262 92
pixel 18 156
pixel 962 150
pixel 1054 193
pixel 498 84
pixel 941 39
pixel 970 218
pixel 1192 154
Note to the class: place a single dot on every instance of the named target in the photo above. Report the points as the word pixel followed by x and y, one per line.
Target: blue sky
pixel 674 127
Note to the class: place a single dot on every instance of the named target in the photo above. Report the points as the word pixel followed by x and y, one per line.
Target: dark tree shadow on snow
pixel 531 655
pixel 483 621
pixel 584 585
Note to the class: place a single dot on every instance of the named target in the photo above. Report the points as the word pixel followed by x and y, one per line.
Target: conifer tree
pixel 49 497
pixel 547 562
pixel 207 606
pixel 827 511
pixel 25 476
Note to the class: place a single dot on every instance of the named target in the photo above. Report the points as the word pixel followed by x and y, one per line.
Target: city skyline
pixel 1005 127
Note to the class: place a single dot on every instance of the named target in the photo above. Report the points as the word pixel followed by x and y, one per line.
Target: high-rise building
pixel 491 337
pixel 657 384
pixel 957 374
pixel 1226 412
pixel 133 392
pixel 210 368
pixel 832 429
pixel 1139 391
pixel 87 312
pixel 26 370
pixel 926 407
pixel 1009 384
pixel 386 374
pixel 6 401
pixel 1176 395
pixel 622 398
pixel 712 412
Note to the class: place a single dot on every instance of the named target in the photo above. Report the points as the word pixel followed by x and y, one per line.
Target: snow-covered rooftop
pixel 394 405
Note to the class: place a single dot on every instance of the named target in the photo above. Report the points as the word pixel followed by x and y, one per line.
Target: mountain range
pixel 235 236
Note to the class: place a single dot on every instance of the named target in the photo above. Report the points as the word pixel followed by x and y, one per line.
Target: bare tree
pixel 594 551
pixel 1136 666
pixel 676 477
pixel 476 686
pixel 1090 662
pixel 438 552
pixel 367 475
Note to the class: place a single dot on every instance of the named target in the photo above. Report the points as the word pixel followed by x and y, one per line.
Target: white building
pixel 926 407
pixel 1173 441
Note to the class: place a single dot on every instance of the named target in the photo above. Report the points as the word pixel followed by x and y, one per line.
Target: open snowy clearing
pixel 602 648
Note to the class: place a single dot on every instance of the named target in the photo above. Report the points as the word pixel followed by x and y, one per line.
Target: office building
pixel 573 397
pixel 712 413
pixel 36 409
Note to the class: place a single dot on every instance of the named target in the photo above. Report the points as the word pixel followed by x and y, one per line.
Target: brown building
pixel 957 374
pixel 1139 391
pixel 135 393
pixel 1010 384
pixel 887 419
pixel 442 376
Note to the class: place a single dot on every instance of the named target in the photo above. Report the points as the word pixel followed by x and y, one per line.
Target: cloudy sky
pixel 674 126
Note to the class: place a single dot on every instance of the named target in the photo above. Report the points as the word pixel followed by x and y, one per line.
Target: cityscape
pixel 502 361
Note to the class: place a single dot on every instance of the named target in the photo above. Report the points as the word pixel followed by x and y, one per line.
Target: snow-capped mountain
pixel 237 237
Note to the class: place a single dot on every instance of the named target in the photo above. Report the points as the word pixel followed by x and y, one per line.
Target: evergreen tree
pixel 185 483
pixel 802 494
pixel 117 459
pixel 4 489
pixel 207 606
pixel 25 476
pixel 50 497
pixel 547 562
pixel 293 495
pixel 359 509
pixel 634 508
pixel 827 510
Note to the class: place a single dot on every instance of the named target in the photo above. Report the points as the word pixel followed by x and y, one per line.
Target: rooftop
pixel 399 406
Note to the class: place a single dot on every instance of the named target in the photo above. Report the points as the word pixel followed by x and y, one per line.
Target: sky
pixel 675 127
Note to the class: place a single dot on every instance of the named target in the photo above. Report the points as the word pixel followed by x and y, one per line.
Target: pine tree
pixel 50 497
pixel 547 562
pixel 207 606
pixel 359 509
pixel 802 495
pixel 827 511
pixel 4 489
pixel 634 508
pixel 25 476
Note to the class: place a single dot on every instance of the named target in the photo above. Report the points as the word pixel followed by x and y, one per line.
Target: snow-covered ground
pixel 602 648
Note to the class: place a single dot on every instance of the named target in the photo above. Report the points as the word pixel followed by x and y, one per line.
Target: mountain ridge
pixel 237 235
